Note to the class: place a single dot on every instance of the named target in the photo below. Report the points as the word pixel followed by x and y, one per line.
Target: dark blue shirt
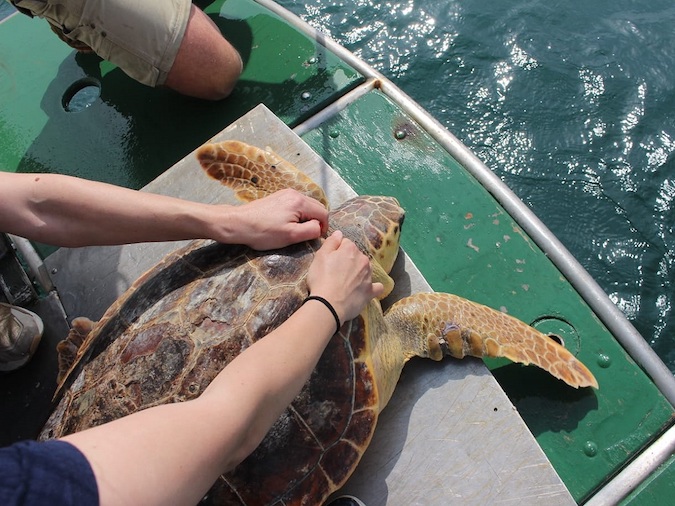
pixel 46 473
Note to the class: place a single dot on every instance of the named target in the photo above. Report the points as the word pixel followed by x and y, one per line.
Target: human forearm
pixel 68 211
pixel 286 358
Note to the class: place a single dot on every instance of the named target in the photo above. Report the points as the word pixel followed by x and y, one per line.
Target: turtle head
pixel 374 224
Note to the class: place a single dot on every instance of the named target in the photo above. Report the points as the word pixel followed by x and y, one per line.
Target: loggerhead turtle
pixel 180 323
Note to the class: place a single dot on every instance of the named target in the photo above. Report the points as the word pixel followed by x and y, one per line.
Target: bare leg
pixel 206 65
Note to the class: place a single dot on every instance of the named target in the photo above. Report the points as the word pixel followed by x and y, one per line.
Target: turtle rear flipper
pixel 447 324
pixel 68 349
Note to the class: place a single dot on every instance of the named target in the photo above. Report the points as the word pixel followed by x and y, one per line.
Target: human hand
pixel 282 218
pixel 341 274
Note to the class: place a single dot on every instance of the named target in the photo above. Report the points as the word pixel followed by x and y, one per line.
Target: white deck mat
pixel 449 435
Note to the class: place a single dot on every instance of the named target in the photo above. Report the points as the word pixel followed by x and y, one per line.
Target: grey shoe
pixel 20 334
pixel 345 500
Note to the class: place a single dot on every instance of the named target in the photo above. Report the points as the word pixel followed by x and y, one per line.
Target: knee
pixel 223 80
pixel 209 77
pixel 206 65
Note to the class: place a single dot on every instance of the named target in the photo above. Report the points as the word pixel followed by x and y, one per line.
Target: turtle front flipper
pixel 254 173
pixel 438 324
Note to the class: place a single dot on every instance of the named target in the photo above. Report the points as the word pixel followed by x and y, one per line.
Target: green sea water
pixel 571 103
pixel 5 9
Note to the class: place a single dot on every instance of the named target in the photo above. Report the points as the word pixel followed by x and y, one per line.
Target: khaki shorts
pixel 141 37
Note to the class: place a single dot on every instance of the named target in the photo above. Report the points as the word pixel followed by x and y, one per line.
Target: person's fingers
pixel 332 242
pixel 306 231
pixel 314 210
pixel 378 289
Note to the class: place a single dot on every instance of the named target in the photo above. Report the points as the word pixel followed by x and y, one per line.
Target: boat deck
pixel 460 238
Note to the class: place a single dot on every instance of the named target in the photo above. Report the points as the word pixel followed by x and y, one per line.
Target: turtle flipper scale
pixel 447 324
pixel 254 173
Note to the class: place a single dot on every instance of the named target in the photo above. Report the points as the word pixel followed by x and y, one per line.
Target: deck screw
pixel 590 448
pixel 604 361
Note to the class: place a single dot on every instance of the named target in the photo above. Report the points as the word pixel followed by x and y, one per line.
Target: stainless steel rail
pixel 636 472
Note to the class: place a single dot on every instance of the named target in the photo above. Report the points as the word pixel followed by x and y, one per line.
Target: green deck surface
pixel 132 133
pixel 462 241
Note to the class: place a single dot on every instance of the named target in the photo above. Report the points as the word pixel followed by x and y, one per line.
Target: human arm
pixel 174 453
pixel 68 211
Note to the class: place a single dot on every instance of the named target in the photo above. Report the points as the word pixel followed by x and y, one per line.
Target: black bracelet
pixel 330 308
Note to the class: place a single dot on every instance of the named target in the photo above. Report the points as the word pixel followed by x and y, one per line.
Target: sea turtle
pixel 179 324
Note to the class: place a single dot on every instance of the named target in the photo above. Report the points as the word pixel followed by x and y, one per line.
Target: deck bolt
pixel 400 134
pixel 313 59
pixel 306 95
pixel 333 133
pixel 604 361
pixel 54 270
pixel 590 448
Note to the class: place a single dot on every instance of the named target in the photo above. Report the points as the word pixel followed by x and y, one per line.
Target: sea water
pixel 5 9
pixel 571 103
